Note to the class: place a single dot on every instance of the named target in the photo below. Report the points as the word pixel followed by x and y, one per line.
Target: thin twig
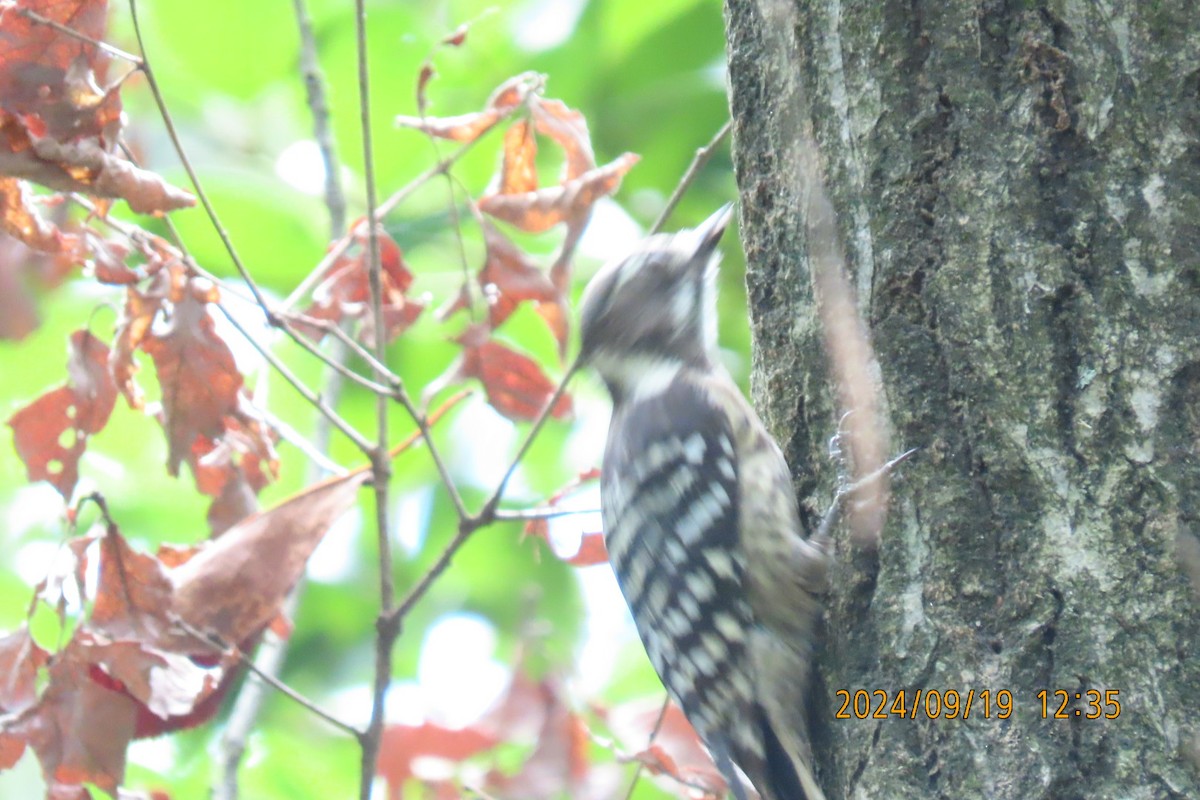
pixel 315 400
pixel 465 529
pixel 315 450
pixel 308 394
pixel 339 248
pixel 402 397
pixel 221 647
pixel 701 158
pixel 371 738
pixel 451 205
pixel 299 338
pixel 328 327
pixel 213 219
pixel 116 52
pixel 487 514
pixel 272 652
pixel 318 106
pixel 658 723
pixel 545 512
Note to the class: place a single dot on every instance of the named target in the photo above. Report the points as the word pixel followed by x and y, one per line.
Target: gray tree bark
pixel 1018 189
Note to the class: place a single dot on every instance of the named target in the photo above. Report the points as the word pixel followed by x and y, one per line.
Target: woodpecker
pixel 700 518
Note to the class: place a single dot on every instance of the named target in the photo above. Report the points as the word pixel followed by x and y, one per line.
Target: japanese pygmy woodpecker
pixel 700 518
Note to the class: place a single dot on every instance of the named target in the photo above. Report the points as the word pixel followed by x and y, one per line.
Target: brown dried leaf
pixel 518 172
pixel 234 468
pixel 50 434
pixel 20 660
pixel 468 127
pixel 19 220
pixel 542 209
pixel 234 587
pixel 168 687
pixel 53 78
pixel 138 313
pixel 84 166
pixel 568 128
pixel 461 128
pixel 60 121
pixel 79 727
pixel 200 381
pixel 133 593
pixel 18 312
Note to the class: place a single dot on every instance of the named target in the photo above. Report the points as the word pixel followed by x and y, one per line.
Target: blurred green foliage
pixel 648 76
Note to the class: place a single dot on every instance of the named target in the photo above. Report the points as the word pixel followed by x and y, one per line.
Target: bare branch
pixel 339 248
pixel 187 166
pixel 703 154
pixel 545 512
pixel 314 86
pixel 641 767
pixel 371 739
pixel 221 647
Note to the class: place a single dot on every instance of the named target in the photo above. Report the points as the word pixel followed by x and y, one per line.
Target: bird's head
pixel 652 312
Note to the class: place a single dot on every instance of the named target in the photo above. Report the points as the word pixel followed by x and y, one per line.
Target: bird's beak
pixel 708 233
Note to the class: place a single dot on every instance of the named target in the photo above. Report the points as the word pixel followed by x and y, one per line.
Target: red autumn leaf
pixel 507 279
pixel 514 383
pixel 519 714
pixel 676 750
pixel 591 548
pixel 107 259
pixel 541 210
pixel 199 379
pixel 235 586
pixel 402 745
pixel 591 551
pixel 345 293
pixel 468 127
pixel 60 119
pixel 51 433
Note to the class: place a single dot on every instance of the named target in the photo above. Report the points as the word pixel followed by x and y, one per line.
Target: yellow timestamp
pixel 1085 704
pixel 924 703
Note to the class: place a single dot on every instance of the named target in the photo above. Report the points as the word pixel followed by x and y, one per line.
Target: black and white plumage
pixel 700 518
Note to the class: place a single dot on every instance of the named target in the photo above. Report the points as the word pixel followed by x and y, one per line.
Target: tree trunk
pixel 1018 188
